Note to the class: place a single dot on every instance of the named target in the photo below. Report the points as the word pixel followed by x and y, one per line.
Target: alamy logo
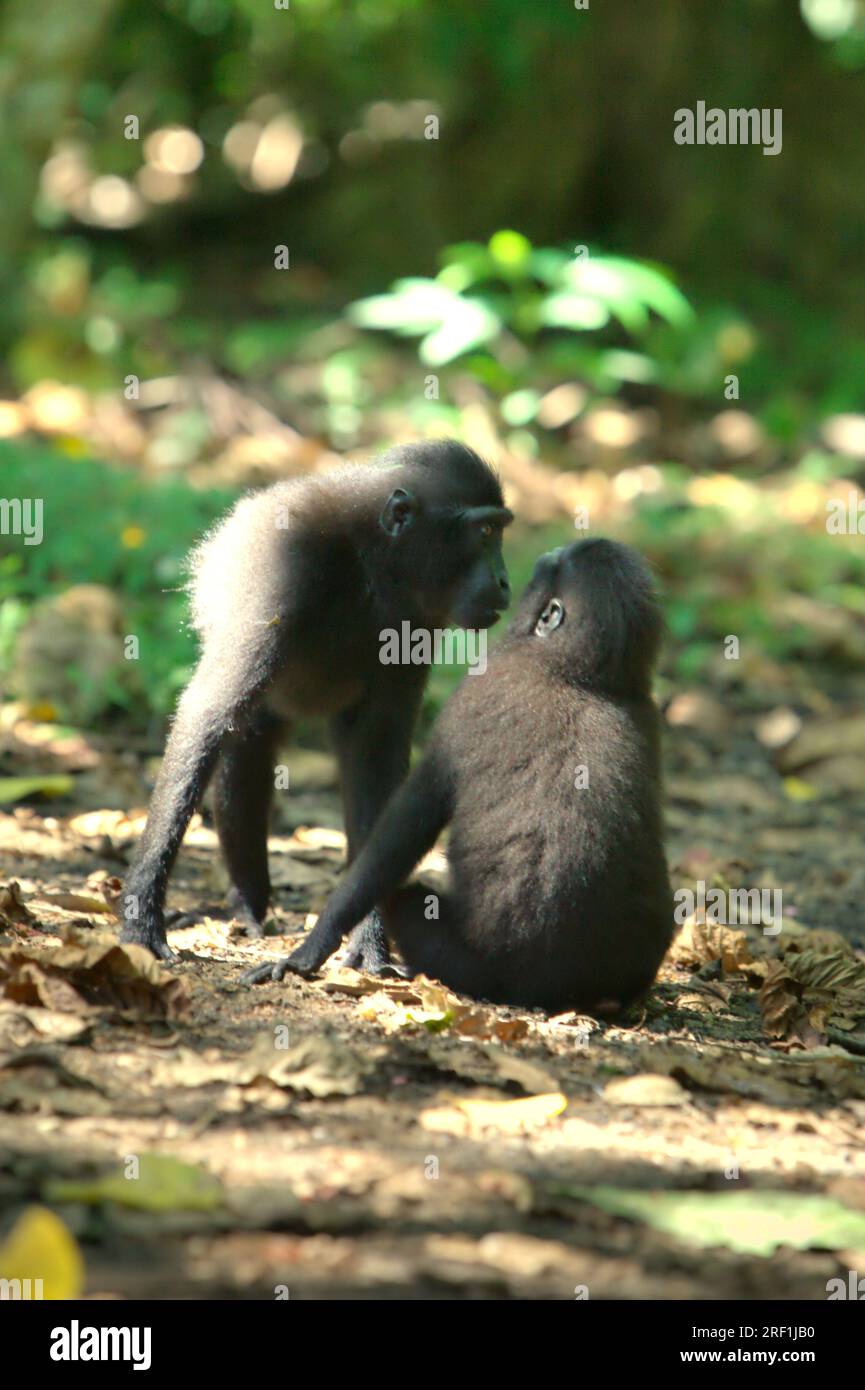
pixel 421 647
pixel 77 1343
pixel 738 126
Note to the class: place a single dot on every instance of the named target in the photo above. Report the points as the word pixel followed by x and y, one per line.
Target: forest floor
pixel 349 1137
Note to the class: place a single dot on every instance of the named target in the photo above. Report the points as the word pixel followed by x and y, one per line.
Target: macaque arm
pixel 406 829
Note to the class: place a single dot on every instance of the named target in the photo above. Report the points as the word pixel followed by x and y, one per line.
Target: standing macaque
pixel 290 597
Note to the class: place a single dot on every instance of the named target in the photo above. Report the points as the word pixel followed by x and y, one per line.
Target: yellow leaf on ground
pixel 41 1248
pixel 507 1116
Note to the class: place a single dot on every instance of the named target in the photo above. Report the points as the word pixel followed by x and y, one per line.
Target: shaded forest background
pixel 241 242
pixel 144 325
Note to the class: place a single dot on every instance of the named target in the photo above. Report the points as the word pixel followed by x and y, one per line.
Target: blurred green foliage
pixel 717 575
pixel 109 527
pixel 308 127
pixel 484 293
pixel 554 121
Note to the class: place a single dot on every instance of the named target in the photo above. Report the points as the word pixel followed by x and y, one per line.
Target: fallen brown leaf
pixel 89 971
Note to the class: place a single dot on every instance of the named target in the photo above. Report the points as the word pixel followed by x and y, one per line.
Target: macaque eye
pixel 551 618
pixel 486 528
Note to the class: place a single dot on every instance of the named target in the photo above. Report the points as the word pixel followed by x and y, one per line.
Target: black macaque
pixel 290 595
pixel 547 770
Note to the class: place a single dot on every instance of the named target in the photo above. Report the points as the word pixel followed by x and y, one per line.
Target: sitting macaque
pixel 546 769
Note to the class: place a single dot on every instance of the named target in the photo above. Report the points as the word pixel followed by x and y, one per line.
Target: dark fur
pixel 559 896
pixel 290 618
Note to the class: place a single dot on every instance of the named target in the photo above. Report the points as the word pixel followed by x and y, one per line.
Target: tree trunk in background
pixel 46 50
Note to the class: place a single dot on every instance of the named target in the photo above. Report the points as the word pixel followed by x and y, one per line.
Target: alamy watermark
pixel 421 646
pixel 21 1289
pixel 845 516
pixel 853 1289
pixel 22 516
pixel 737 126
pixel 77 1343
pixel 731 907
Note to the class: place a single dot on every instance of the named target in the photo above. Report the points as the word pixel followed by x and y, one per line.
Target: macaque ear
pixel 400 510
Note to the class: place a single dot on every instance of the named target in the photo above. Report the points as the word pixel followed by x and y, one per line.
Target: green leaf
pixel 468 324
pixel 548 265
pixel 754 1223
pixel 163 1184
pixel 510 250
pixel 416 306
pixel 16 788
pixel 629 290
pixel 466 264
pixel 569 310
